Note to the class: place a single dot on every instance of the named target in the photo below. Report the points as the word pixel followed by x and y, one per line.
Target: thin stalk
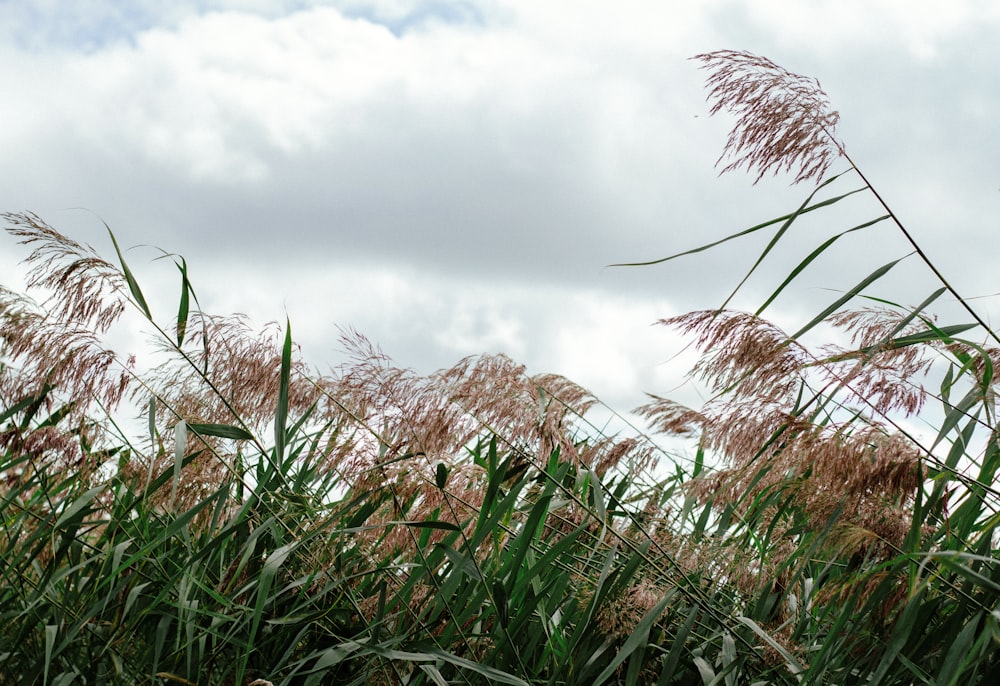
pixel 916 247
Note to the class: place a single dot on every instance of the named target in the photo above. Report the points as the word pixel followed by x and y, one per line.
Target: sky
pixel 454 178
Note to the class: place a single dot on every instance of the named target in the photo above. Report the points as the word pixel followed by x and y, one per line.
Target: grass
pixel 277 525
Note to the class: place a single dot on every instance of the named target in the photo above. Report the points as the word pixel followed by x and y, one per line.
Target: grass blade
pixel 281 411
pixel 133 285
pixel 229 431
pixel 184 304
pixel 637 640
pixel 794 666
pixel 810 258
pixel 771 222
pixel 839 302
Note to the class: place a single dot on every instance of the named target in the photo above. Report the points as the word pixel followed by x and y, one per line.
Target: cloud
pixel 925 30
pixel 437 145
pixel 453 180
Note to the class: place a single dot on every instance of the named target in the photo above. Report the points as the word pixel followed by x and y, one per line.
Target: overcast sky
pixel 452 178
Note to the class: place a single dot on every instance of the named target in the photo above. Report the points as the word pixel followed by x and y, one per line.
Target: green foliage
pixel 471 527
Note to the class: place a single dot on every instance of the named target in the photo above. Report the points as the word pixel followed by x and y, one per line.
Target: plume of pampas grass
pixel 783 120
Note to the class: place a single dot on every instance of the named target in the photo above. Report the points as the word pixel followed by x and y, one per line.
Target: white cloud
pixel 447 131
pixel 919 27
pixel 224 91
pixel 453 184
pixel 609 345
pixel 222 94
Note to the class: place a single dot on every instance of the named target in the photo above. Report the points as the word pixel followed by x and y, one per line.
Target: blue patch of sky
pixel 84 26
pixel 90 25
pixel 422 14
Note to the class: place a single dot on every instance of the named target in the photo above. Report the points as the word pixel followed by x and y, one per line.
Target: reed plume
pixel 470 526
pixel 783 120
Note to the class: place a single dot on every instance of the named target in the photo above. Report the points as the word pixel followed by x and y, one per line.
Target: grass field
pixel 278 525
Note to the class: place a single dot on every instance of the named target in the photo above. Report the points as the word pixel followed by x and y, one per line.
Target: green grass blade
pixel 705 671
pixel 77 507
pixel 637 640
pixel 960 650
pixel 281 411
pixel 432 524
pixel 265 581
pixel 839 302
pixel 771 222
pixel 943 334
pixel 184 304
pixel 905 625
pixel 794 666
pixel 180 446
pixel 434 674
pixel 676 648
pixel 50 641
pixel 133 285
pixel 31 404
pixel 779 234
pixel 494 675
pixel 810 258
pixel 229 431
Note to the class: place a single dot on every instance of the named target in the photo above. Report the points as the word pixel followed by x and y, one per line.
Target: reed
pixel 280 525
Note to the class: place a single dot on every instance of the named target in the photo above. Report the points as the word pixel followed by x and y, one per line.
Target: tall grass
pixel 280 525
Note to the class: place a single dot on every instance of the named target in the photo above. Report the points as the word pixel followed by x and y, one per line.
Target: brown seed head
pixel 783 120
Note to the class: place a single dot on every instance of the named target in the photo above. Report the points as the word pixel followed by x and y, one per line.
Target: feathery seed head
pixel 783 120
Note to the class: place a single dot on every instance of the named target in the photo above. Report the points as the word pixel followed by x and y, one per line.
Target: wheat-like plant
pixel 276 524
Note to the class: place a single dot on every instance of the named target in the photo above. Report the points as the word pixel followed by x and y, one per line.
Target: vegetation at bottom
pixel 831 520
